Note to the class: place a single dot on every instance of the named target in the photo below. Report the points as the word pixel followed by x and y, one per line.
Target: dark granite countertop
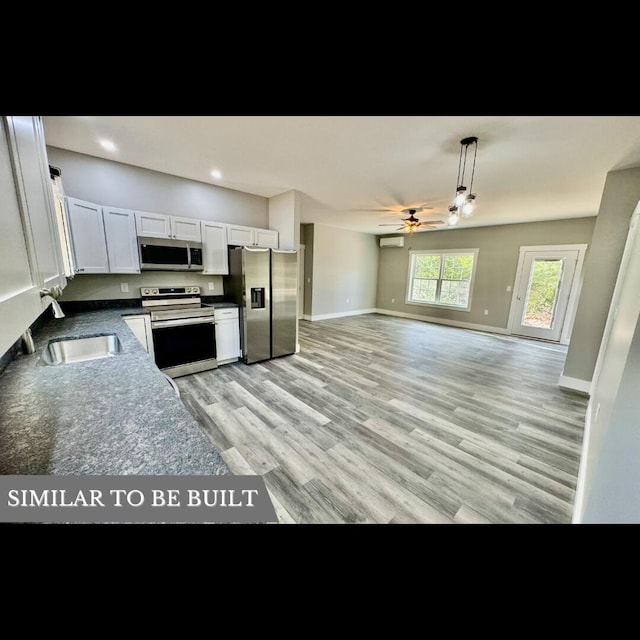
pixel 111 416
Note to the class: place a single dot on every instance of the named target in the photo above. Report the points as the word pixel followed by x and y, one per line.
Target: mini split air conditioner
pixel 396 241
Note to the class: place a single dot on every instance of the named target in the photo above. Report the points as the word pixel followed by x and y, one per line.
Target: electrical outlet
pixel 212 286
pixel 486 312
pixel 124 287
pixel 508 288
pixel 393 300
pixel 308 280
pixel 347 300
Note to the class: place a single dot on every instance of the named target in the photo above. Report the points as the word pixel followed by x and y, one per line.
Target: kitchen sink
pixel 81 349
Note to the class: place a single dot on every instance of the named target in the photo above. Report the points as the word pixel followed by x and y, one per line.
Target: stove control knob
pixel 146 292
pixel 195 290
pixel 189 290
pixel 154 292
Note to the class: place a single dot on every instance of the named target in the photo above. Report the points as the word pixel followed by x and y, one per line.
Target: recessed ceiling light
pixel 108 145
pixel 216 174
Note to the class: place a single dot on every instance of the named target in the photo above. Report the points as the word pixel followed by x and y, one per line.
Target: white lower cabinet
pixel 227 335
pixel 141 328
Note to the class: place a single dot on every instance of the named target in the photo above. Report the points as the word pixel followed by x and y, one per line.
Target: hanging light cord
pixel 473 170
pixel 459 169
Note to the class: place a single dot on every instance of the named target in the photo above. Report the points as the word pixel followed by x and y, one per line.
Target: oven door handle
pixel 181 322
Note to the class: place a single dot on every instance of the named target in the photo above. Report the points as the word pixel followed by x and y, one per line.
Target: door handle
pixel 519 298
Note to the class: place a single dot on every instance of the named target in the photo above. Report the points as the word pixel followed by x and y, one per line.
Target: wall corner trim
pixel 575 384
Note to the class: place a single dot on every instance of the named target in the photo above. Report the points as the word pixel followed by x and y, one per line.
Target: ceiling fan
pixel 411 224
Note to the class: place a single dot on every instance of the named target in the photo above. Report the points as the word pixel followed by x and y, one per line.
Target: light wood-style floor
pixel 386 420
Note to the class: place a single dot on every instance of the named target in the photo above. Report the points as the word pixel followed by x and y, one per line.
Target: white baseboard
pixel 575 384
pixel 306 317
pixel 341 314
pixel 451 323
pixel 578 502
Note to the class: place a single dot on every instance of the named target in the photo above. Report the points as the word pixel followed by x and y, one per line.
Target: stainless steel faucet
pixel 53 293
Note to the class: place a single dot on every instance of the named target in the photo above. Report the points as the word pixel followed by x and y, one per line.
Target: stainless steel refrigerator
pixel 264 284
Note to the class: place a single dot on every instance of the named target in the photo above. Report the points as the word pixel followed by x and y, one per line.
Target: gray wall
pixel 614 495
pixel 497 264
pixel 619 199
pixel 121 185
pixel 306 238
pixel 345 264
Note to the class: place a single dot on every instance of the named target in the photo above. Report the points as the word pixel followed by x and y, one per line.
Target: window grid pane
pixel 442 279
pixel 424 290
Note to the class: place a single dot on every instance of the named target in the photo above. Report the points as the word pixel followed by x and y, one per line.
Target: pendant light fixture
pixel 464 201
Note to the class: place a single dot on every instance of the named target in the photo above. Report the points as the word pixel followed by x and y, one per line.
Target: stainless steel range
pixel 183 330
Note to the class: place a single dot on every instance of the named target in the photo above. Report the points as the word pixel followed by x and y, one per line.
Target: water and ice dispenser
pixel 257 297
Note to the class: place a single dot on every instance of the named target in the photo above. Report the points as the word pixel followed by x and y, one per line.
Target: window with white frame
pixel 442 278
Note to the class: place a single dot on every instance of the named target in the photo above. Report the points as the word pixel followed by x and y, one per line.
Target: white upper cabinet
pixel 251 237
pixel 237 235
pixel 214 241
pixel 19 297
pixel 153 225
pixel 122 243
pixel 185 229
pixel 37 194
pixel 158 225
pixel 104 238
pixel 266 238
pixel 88 236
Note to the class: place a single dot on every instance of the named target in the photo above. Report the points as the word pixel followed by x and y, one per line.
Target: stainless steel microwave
pixel 162 254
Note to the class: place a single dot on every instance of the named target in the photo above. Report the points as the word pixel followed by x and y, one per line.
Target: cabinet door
pixel 216 256
pixel 153 225
pixel 87 233
pixel 19 297
pixel 35 189
pixel 266 238
pixel 122 242
pixel 63 226
pixel 243 236
pixel 227 340
pixel 141 328
pixel 185 229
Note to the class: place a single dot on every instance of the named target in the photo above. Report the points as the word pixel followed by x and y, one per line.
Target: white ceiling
pixel 529 168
